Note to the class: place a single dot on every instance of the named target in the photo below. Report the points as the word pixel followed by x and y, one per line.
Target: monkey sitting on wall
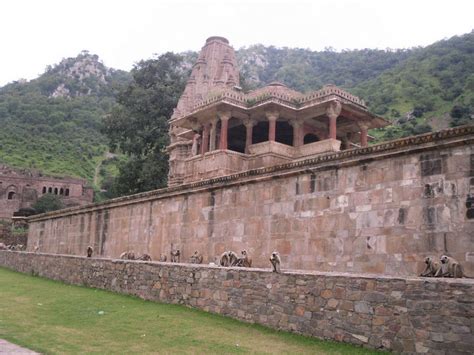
pixel 175 256
pixel 224 259
pixel 89 251
pixel 276 261
pixel 431 269
pixel 233 258
pixel 450 267
pixel 127 255
pixel 228 258
pixel 245 260
pixel 163 258
pixel 196 258
pixel 144 257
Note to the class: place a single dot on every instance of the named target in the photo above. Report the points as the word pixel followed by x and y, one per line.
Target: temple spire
pixel 216 67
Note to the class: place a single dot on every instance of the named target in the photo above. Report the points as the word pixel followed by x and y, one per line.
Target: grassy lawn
pixel 51 317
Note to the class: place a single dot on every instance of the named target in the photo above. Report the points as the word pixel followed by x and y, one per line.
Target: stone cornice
pixel 425 142
pixel 271 95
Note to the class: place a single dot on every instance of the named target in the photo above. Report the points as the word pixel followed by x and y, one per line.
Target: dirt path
pixel 9 348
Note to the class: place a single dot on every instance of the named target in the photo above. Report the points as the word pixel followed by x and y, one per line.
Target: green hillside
pixel 53 123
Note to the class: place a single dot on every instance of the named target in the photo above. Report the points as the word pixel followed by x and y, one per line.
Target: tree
pixel 138 124
pixel 48 203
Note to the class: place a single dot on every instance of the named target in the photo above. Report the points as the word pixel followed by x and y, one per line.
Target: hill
pixel 53 123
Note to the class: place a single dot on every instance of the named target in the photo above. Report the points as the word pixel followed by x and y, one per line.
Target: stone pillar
pixel 224 117
pixel 272 117
pixel 205 139
pixel 195 146
pixel 297 132
pixel 212 140
pixel 364 127
pixel 249 124
pixel 333 111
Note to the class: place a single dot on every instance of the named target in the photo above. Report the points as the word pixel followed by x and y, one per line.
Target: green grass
pixel 51 317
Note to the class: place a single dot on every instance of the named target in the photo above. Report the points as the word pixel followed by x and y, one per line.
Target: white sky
pixel 36 33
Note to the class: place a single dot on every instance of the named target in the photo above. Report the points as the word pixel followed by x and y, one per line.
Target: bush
pixel 48 203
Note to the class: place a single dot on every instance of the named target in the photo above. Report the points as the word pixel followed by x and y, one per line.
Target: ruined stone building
pixel 275 169
pixel 20 189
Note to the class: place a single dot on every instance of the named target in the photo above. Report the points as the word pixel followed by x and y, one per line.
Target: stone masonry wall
pixel 380 210
pixel 433 316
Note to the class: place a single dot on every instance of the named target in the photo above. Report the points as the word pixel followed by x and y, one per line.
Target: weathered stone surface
pixel 344 217
pixel 291 301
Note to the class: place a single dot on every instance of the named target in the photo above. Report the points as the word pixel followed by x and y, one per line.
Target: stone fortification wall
pixel 402 314
pixel 380 210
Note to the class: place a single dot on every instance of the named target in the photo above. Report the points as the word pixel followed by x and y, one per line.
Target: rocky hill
pixel 53 123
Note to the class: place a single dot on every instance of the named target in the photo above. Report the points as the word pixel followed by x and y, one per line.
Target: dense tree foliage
pixel 48 203
pixel 138 124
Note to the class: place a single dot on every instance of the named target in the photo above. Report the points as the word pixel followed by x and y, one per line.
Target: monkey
pixel 224 259
pixel 431 269
pixel 163 258
pixel 89 251
pixel 3 246
pixel 127 255
pixel 196 258
pixel 144 257
pixel 244 260
pixel 36 249
pixel 175 256
pixel 276 261
pixel 450 267
pixel 233 258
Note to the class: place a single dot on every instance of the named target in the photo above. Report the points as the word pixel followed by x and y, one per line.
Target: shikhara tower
pixel 217 129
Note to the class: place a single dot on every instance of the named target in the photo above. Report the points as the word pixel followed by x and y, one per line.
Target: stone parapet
pixel 324 146
pixel 273 147
pixel 404 315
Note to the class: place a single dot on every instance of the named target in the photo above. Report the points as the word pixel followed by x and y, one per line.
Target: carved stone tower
pixel 215 69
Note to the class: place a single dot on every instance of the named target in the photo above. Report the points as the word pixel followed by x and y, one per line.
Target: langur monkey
pixel 450 267
pixel 175 256
pixel 276 261
pixel 127 255
pixel 245 260
pixel 228 258
pixel 431 269
pixel 196 258
pixel 89 251
pixel 144 257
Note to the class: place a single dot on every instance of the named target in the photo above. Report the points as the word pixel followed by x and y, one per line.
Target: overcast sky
pixel 36 33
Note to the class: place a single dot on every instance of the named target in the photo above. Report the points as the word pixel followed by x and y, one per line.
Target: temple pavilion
pixel 217 129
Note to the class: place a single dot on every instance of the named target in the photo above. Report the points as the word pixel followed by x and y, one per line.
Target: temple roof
pixel 212 87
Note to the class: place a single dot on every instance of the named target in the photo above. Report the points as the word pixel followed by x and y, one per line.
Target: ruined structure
pixel 242 177
pixel 20 189
pixel 217 129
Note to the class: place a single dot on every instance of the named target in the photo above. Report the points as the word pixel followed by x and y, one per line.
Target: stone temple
pixel 277 170
pixel 218 130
